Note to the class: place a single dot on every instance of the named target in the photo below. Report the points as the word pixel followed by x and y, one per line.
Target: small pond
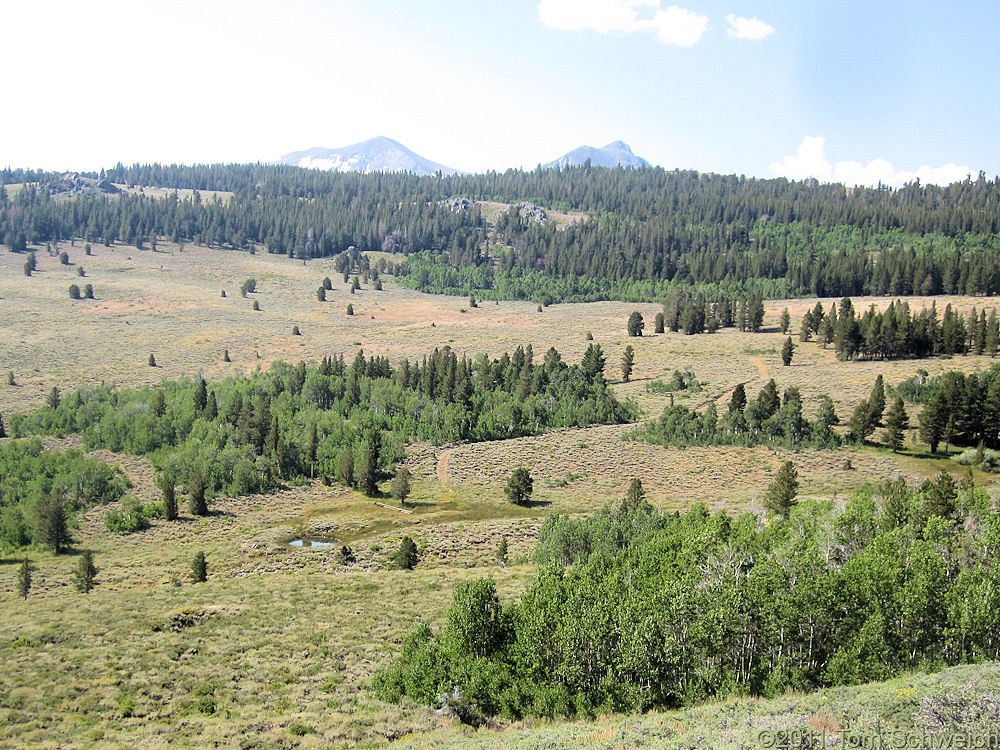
pixel 309 543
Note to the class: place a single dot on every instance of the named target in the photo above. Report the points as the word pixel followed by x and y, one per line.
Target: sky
pixel 849 91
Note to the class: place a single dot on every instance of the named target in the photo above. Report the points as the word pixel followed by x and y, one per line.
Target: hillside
pixel 647 230
pixel 148 657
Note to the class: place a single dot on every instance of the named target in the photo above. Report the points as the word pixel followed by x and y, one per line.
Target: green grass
pixel 278 647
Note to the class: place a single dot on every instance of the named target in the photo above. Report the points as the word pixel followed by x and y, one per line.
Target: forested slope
pixel 644 231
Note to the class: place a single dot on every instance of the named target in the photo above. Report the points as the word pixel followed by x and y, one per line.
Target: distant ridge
pixel 379 154
pixel 614 154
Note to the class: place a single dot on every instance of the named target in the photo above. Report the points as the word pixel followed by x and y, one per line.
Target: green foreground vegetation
pixel 634 609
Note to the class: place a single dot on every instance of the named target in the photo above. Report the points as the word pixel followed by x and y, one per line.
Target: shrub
pixel 133 516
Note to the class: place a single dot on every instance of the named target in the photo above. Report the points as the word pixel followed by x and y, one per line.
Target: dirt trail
pixel 443 470
pixel 763 373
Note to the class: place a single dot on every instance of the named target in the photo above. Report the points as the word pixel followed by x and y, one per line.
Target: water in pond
pixel 309 543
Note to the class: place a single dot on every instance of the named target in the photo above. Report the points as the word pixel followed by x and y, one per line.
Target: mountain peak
pixel 378 154
pixel 617 146
pixel 615 154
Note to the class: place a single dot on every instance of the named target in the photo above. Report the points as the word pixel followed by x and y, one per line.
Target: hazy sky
pixel 850 90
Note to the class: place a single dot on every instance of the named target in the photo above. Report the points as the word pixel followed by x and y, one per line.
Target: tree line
pixel 633 608
pixel 338 421
pixel 643 228
pixel 897 332
pixel 770 419
pixel 959 409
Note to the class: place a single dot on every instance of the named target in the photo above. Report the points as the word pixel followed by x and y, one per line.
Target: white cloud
pixel 671 25
pixel 810 161
pixel 748 28
pixel 679 26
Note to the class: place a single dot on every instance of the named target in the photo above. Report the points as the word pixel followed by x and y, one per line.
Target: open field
pixel 278 648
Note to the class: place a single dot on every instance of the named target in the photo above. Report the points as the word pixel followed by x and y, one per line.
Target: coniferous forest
pixel 635 234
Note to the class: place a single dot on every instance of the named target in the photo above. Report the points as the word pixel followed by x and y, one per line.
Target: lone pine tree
pixel 635 324
pixel 24 578
pixel 786 352
pixel 86 572
pixel 628 362
pixel 199 568
pixel 406 556
pixel 519 487
pixel 780 497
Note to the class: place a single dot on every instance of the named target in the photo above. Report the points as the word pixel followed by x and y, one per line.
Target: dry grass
pixel 284 636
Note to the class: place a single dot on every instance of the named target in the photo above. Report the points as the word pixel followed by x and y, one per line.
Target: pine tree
pixel 738 401
pixel 806 333
pixel 635 324
pixel 635 494
pixel 406 556
pixel 658 323
pixel 934 421
pixel 350 309
pixel 10 378
pixel 896 422
pixel 401 485
pixel 86 572
pixel 786 352
pixel 201 394
pixel 225 356
pixel 49 523
pixel 876 401
pixel 861 424
pixel 321 294
pixel 256 306
pixel 991 339
pixel 199 568
pixel 74 291
pixel 24 578
pixel 53 398
pixel 166 484
pixel 628 362
pixel 519 487
pixel 3 430
pixel 88 291
pixel 780 496
pixel 502 551
pixel 368 464
pixel 196 487
pixel 152 360
pixel 593 361
pixel 786 320
pixel 296 331
pixel 768 400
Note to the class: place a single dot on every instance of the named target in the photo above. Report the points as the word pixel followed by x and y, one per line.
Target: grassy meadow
pixel 278 647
